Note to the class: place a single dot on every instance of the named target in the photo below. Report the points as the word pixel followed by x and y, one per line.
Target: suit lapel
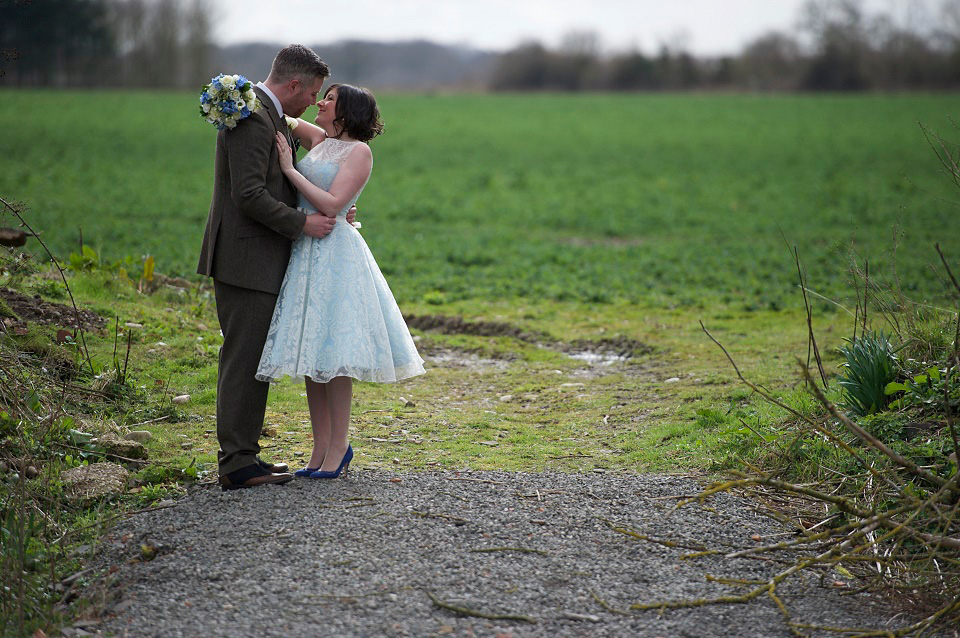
pixel 279 123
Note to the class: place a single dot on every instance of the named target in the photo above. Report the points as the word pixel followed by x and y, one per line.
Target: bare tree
pixel 838 31
pixel 771 62
pixel 161 42
pixel 197 45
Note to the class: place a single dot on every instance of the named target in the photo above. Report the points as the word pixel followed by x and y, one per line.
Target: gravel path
pixel 361 557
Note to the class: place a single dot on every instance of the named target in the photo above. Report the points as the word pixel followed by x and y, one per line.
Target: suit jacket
pixel 253 217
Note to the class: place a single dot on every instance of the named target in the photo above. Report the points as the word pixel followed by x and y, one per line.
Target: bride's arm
pixel 309 134
pixel 348 182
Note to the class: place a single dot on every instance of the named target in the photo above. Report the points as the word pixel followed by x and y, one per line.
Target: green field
pixel 541 233
pixel 582 218
pixel 675 199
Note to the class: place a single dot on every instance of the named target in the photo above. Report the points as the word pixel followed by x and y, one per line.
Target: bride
pixel 336 319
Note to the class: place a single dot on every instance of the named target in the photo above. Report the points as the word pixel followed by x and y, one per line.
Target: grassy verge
pixel 619 387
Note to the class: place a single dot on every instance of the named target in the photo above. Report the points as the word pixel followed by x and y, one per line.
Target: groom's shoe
pixel 252 476
pixel 276 468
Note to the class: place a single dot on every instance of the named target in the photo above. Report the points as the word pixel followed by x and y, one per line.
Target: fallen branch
pixel 626 531
pixel 76 311
pixel 475 480
pixel 466 611
pixel 455 519
pixel 525 550
pixel 869 439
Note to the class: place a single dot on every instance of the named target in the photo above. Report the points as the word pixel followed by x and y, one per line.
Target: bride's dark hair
pixel 356 113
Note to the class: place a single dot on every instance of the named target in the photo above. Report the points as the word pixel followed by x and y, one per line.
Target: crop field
pixel 554 255
pixel 572 198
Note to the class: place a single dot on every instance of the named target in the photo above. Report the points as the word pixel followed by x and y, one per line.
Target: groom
pixel 252 222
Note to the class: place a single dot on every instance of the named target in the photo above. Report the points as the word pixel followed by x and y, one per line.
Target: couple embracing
pixel 298 292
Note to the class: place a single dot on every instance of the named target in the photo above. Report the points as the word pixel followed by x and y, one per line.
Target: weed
pixel 870 365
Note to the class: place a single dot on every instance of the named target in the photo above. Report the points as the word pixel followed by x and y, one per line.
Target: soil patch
pixel 36 310
pixel 607 350
pixel 457 326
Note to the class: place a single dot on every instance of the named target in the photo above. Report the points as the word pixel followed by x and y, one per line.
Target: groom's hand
pixel 318 225
pixel 352 215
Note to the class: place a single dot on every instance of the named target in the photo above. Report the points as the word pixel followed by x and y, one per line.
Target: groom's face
pixel 303 95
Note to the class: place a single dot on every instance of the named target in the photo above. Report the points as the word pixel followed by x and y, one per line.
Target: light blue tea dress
pixel 335 315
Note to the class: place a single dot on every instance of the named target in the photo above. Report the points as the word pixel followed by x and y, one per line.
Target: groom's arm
pixel 249 147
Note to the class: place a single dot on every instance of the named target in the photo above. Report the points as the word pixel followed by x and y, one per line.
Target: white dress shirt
pixel 272 97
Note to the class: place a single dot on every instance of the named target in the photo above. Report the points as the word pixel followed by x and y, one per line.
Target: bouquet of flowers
pixel 227 100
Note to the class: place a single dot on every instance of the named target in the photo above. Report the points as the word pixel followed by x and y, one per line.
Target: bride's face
pixel 327 110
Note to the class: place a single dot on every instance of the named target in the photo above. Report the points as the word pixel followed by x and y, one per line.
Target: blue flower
pixel 218 108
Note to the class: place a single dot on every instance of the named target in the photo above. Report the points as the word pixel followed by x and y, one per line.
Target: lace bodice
pixel 321 166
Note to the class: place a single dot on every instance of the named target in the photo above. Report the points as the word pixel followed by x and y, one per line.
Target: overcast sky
pixel 704 26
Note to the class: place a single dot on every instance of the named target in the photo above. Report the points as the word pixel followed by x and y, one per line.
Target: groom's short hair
pixel 297 62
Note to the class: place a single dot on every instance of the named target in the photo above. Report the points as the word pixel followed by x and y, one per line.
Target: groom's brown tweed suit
pixel 246 246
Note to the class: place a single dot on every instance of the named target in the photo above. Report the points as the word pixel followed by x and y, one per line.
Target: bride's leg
pixel 319 420
pixel 339 399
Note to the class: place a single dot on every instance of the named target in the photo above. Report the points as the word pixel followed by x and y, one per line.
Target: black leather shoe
pixel 276 468
pixel 252 476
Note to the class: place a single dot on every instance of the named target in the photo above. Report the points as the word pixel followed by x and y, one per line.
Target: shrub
pixel 870 365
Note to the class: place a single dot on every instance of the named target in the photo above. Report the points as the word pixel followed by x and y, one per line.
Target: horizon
pixel 705 28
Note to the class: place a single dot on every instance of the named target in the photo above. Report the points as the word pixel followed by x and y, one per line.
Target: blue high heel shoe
pixel 307 471
pixel 344 466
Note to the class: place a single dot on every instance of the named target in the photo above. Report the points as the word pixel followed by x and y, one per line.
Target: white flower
pixel 292 122
pixel 223 90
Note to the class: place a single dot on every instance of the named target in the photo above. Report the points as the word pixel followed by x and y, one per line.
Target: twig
pixel 76 311
pixel 871 440
pixel 819 428
pixel 626 531
pixel 866 293
pixel 475 480
pixel 811 338
pixel 525 550
pixel 465 611
pixel 71 532
pixel 608 606
pixel 156 420
pixel 455 519
pixel 104 453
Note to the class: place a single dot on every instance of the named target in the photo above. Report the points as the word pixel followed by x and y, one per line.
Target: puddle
pixel 445 358
pixel 599 358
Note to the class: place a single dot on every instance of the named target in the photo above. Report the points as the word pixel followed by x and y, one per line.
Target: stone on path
pixel 140 436
pixel 114 446
pixel 92 482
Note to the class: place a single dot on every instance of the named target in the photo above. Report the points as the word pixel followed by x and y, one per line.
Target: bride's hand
pixel 283 150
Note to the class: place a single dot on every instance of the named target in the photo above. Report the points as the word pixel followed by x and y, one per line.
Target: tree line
pixel 835 46
pixel 105 43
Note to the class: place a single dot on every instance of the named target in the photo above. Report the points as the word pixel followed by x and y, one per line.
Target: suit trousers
pixel 241 399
